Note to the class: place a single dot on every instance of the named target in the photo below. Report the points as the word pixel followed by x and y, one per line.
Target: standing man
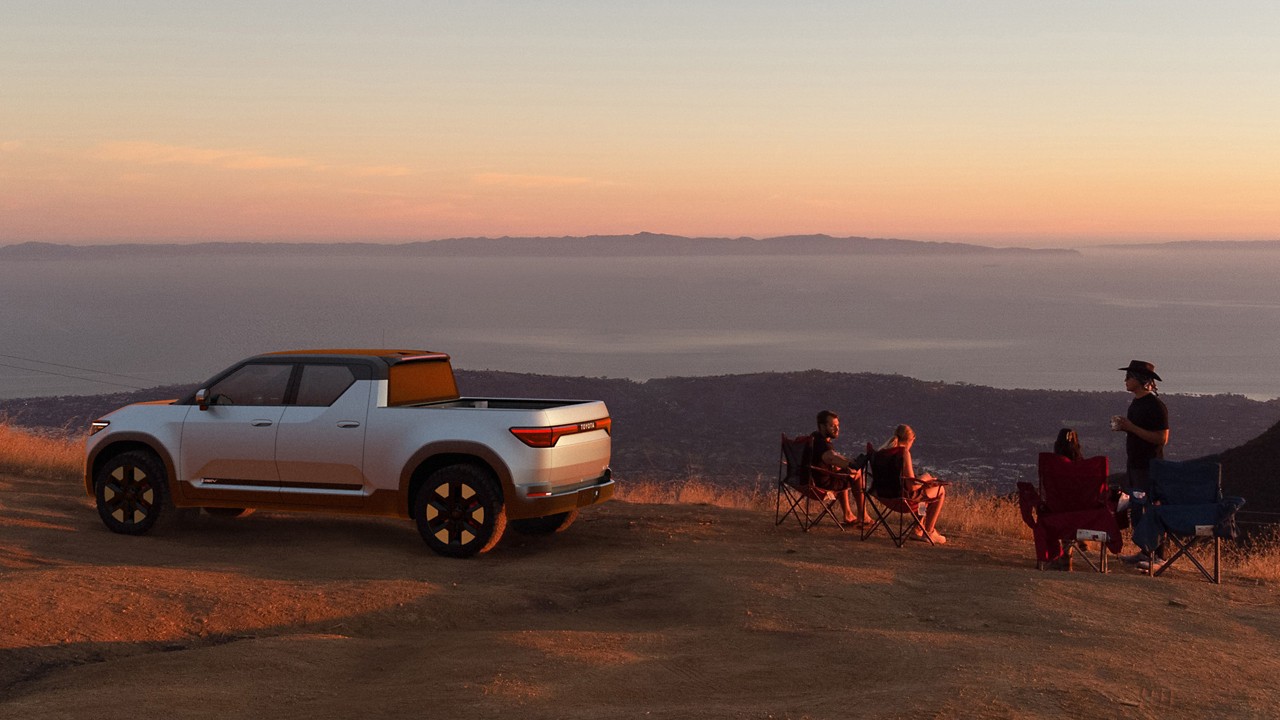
pixel 843 471
pixel 1146 426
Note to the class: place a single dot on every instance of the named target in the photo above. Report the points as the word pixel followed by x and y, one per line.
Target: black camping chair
pixel 803 499
pixel 889 494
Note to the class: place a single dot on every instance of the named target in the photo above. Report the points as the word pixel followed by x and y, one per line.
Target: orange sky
pixel 994 122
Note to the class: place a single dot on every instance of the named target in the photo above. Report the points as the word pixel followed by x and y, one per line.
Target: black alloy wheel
pixel 132 492
pixel 460 511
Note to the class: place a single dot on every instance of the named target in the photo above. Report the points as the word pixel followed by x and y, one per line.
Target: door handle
pixel 260 423
pixel 348 424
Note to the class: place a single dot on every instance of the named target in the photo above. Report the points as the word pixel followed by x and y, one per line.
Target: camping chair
pixel 1186 506
pixel 1070 505
pixel 804 499
pixel 887 494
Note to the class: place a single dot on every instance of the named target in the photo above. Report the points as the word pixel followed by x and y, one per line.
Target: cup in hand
pixel 1115 422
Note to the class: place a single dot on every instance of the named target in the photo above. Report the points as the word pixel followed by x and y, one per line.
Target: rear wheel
pixel 459 511
pixel 132 492
pixel 548 525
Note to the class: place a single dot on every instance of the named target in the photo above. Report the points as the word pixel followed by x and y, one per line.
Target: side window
pixel 321 385
pixel 258 384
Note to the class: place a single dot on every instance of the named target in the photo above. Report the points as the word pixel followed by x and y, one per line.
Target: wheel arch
pixel 438 455
pixel 123 443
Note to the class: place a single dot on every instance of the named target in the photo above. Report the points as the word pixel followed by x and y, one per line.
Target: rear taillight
pixel 545 437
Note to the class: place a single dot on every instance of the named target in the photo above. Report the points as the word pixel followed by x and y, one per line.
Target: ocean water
pixel 1210 320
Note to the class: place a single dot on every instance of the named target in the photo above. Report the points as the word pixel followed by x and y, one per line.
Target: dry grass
pixel 42 455
pixel 966 512
pixel 1258 558
pixel 695 490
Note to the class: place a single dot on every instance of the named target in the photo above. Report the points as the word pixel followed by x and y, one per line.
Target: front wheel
pixel 132 492
pixel 459 511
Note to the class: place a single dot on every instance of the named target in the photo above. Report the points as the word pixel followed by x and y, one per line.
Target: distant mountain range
pixel 638 245
pixel 1215 245
pixel 643 244
pixel 726 428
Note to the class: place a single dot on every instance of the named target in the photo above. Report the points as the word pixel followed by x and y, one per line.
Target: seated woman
pixel 925 488
pixel 1068 445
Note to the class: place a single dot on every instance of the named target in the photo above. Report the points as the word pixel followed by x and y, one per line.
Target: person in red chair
pixel 841 475
pixel 1068 445
pixel 923 488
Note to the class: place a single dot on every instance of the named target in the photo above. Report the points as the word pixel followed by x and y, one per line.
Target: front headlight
pixel 98 426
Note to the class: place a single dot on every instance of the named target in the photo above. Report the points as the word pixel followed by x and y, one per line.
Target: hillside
pixel 726 428
pixel 1253 471
pixel 646 611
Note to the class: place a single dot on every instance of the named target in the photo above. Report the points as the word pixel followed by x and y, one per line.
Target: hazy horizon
pixel 1039 244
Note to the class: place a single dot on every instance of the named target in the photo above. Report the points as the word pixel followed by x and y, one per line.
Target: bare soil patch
pixel 660 611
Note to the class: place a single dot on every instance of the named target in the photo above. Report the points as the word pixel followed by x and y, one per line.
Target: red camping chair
pixel 804 499
pixel 889 493
pixel 1071 505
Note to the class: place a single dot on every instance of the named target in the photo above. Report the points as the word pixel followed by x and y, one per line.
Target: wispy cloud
pixel 529 181
pixel 149 153
pixel 382 171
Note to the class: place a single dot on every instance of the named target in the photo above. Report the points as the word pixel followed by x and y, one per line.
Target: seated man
pixel 842 473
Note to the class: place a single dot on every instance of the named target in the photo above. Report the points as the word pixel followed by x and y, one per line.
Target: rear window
pixel 410 383
pixel 321 385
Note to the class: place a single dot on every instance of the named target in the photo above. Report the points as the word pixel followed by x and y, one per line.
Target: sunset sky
pixel 1036 123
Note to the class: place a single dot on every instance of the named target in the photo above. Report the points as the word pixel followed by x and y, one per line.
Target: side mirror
pixel 202 398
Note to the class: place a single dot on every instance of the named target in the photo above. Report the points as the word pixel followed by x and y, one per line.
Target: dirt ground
pixel 642 611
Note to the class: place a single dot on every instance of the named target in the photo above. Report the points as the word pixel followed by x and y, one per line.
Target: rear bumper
pixel 532 502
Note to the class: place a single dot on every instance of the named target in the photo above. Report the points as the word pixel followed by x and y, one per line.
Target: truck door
pixel 231 446
pixel 320 445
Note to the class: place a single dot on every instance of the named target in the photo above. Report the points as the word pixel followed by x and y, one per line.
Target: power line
pixel 72 367
pixel 73 377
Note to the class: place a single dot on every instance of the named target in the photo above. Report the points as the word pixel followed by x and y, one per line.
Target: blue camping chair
pixel 1186 506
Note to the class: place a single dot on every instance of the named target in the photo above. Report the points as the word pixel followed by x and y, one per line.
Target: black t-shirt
pixel 833 481
pixel 821 446
pixel 1149 413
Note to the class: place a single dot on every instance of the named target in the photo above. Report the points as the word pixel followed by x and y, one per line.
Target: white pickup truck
pixel 371 432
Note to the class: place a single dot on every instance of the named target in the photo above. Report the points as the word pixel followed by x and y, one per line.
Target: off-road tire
pixel 460 511
pixel 548 525
pixel 132 493
pixel 223 512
